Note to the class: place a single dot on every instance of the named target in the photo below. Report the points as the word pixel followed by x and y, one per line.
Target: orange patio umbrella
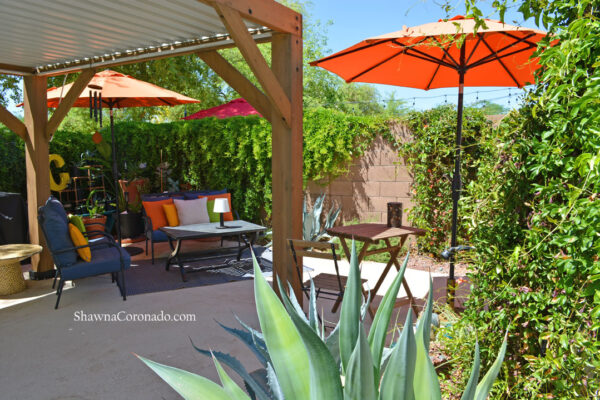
pixel 439 55
pixel 112 89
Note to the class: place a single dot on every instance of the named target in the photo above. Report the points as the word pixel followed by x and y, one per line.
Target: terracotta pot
pixel 97 223
pixel 131 188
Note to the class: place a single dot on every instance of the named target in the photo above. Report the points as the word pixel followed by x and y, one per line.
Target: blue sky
pixel 355 20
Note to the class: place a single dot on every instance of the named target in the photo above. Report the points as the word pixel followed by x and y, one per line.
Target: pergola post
pixel 37 166
pixel 286 63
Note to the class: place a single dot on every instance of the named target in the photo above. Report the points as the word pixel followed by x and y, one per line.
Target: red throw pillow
pixel 154 210
pixel 228 216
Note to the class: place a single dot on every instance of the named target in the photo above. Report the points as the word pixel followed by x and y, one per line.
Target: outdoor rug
pixel 144 277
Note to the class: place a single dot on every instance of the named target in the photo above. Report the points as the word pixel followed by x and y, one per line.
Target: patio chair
pixel 107 256
pixel 329 286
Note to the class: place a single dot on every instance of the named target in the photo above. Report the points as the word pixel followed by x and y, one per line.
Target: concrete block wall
pixel 373 180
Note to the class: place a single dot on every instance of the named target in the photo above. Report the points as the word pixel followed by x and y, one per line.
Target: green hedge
pixel 233 153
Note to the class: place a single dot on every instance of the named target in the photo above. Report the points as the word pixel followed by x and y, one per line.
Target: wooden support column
pixel 287 158
pixel 37 165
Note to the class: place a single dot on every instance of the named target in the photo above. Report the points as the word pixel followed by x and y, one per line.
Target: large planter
pixel 96 223
pixel 132 224
pixel 130 187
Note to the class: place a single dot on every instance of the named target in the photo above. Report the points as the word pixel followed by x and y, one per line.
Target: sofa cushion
pixel 155 212
pixel 55 226
pixel 228 216
pixel 159 236
pixel 192 211
pixel 194 194
pixel 171 214
pixel 104 260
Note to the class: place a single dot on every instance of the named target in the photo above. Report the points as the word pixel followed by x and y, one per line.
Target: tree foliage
pixel 535 218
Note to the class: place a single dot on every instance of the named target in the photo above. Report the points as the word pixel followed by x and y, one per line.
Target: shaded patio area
pixel 75 359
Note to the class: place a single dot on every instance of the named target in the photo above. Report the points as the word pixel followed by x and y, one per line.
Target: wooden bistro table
pixel 11 275
pixel 372 234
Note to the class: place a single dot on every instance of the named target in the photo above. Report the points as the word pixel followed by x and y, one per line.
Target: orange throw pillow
pixel 171 214
pixel 154 210
pixel 79 240
pixel 228 216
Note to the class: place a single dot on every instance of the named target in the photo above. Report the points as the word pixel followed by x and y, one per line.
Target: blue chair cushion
pixel 55 226
pixel 159 236
pixel 104 260
pixel 195 193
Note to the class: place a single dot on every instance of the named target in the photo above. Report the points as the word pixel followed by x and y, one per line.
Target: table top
pixel 198 231
pixel 373 232
pixel 18 251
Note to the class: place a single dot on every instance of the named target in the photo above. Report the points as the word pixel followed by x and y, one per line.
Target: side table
pixel 11 275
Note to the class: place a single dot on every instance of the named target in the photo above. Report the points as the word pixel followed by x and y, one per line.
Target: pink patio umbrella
pixel 235 108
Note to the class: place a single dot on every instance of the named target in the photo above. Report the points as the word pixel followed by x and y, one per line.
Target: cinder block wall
pixel 373 180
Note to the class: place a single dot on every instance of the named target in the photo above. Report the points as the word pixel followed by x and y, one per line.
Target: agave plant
pixel 302 362
pixel 311 221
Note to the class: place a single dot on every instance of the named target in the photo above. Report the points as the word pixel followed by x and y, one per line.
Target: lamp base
pixel 224 227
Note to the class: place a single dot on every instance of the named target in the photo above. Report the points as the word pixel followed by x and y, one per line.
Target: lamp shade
pixel 221 205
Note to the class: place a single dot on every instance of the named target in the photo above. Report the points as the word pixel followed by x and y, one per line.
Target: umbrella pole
pixel 456 181
pixel 115 174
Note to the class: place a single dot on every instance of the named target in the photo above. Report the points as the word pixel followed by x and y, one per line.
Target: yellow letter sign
pixel 64 176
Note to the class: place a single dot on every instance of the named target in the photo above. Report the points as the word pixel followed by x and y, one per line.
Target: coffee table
pixel 11 275
pixel 247 231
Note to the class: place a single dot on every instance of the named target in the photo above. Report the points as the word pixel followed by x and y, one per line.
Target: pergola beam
pixel 238 82
pixel 37 166
pixel 267 79
pixel 67 102
pixel 13 123
pixel 265 12
pixel 287 160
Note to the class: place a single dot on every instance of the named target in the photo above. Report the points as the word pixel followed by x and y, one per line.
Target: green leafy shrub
pixel 430 156
pixel 232 153
pixel 301 362
pixel 535 218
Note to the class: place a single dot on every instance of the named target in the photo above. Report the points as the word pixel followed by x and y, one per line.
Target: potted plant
pixel 132 224
pixel 95 220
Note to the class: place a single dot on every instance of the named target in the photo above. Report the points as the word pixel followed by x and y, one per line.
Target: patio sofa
pixel 152 231
pixel 105 255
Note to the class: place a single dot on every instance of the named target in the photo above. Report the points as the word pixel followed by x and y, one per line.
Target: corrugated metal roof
pixel 58 35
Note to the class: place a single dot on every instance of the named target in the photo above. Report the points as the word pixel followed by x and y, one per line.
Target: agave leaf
pixel 248 339
pixel 470 390
pixel 424 325
pixel 484 387
pixel 381 321
pixel 333 344
pixel 350 313
pixel 286 348
pixel 325 380
pixel 274 383
pixel 397 383
pixel 233 363
pixel 365 305
pixel 360 378
pixel 234 391
pixel 425 381
pixel 189 386
pixel 257 338
pixel 297 308
pixel 313 316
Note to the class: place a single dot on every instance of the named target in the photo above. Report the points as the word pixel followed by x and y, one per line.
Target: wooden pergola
pixel 40 39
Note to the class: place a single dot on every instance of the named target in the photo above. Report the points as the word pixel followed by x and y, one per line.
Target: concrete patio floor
pixel 48 354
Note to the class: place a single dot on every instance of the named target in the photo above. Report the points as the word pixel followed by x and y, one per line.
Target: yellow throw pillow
pixel 79 240
pixel 171 213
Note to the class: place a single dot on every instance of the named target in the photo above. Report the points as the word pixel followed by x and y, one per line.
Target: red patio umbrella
pixel 116 90
pixel 443 54
pixel 238 107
